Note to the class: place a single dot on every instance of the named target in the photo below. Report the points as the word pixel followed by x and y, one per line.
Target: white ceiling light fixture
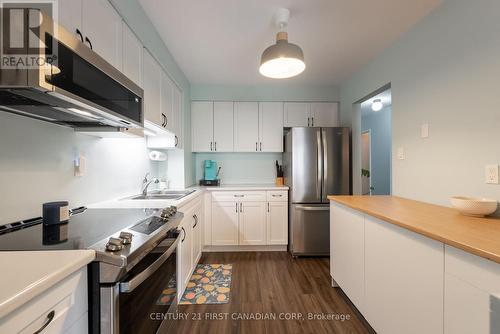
pixel 282 60
pixel 377 105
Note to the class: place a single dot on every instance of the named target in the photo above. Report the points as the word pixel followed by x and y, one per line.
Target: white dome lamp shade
pixel 282 60
pixel 377 105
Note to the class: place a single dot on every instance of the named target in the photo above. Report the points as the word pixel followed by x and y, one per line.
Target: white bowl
pixel 473 206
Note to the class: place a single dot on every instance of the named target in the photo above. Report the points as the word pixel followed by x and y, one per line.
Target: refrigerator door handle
pixel 325 165
pixel 320 165
pixel 312 208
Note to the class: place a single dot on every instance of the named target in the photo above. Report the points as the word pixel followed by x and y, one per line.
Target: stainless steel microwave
pixel 70 84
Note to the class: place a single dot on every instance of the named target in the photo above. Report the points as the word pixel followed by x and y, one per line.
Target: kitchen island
pixel 434 270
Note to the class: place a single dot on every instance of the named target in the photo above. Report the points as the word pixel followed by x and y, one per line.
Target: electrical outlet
pixel 401 153
pixel 424 131
pixel 491 174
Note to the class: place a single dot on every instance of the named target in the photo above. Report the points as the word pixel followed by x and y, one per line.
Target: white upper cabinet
pixel 202 126
pixel 132 55
pixel 223 127
pixel 246 127
pixel 324 114
pixel 178 122
pixel 311 114
pixel 167 102
pixel 70 16
pixel 297 114
pixel 271 126
pixel 152 89
pixel 102 30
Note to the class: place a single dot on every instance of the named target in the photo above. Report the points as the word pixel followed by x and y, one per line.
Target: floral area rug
pixel 209 284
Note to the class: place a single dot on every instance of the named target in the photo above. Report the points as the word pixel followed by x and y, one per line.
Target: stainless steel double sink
pixel 164 195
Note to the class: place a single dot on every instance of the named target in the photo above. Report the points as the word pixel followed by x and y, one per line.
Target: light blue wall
pixel 241 168
pixel 445 72
pixel 379 124
pixel 279 91
pixel 136 18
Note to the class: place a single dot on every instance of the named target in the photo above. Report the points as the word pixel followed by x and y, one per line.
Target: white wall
pixel 445 71
pixel 36 166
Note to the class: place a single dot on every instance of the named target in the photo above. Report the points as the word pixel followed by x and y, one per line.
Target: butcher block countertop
pixel 479 236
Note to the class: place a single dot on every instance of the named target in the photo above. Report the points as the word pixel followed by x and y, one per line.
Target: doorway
pixel 372 143
pixel 366 184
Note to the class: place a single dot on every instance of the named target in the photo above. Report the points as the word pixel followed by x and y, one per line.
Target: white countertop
pixel 27 274
pixel 236 187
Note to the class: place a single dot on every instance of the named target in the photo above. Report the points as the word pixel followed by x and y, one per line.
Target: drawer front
pixel 277 196
pixel 239 196
pixel 67 299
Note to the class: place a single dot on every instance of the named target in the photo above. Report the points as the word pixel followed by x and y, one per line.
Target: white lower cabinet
pixel 67 301
pixel 403 280
pixel 224 223
pixel 347 247
pixel 252 223
pixel 247 218
pixel 277 223
pixel 472 294
pixel 189 249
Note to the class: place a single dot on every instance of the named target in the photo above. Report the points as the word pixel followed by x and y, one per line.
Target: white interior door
pixel 246 127
pixel 271 126
pixel 277 223
pixel 252 223
pixel 297 114
pixel 202 122
pixel 223 127
pixel 324 114
pixel 225 223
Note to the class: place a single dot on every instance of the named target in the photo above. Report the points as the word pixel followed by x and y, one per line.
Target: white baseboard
pixel 248 248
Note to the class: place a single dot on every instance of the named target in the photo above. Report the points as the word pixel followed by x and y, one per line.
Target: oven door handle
pixel 131 285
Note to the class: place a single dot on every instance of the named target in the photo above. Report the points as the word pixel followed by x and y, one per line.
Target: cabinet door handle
pixel 176 141
pixel 50 317
pixel 256 145
pixel 211 146
pixel 308 121
pixel 195 220
pixel 87 40
pixel 241 207
pixel 261 146
pixel 312 121
pixel 274 195
pixel 239 195
pixel 79 33
pixel 268 209
pixel 184 235
pixel 236 207
pixel 215 145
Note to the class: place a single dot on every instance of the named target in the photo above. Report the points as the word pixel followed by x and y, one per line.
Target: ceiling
pixel 385 97
pixel 221 41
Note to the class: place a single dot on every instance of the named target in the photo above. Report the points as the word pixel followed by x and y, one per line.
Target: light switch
pixel 491 174
pixel 424 130
pixel 401 153
pixel 80 165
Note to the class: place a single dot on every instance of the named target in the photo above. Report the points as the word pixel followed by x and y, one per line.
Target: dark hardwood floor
pixel 273 284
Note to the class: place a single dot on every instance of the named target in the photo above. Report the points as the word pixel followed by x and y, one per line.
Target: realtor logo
pixel 22 45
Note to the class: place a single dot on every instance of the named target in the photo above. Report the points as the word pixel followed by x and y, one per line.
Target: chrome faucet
pixel 146 183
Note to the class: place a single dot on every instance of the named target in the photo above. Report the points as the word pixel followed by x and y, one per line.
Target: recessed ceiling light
pixel 282 60
pixel 377 105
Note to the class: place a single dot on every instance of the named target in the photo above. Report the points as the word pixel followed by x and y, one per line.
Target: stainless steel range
pixel 136 263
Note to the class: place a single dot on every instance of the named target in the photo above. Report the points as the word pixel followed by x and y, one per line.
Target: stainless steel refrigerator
pixel 316 164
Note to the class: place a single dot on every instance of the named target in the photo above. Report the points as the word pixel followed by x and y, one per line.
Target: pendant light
pixel 282 60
